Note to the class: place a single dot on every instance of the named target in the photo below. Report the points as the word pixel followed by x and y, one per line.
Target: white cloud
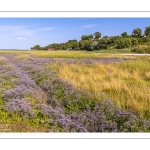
pixel 21 38
pixel 88 26
pixel 46 29
pixel 13 30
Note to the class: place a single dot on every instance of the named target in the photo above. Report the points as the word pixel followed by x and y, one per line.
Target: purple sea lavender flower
pixel 20 106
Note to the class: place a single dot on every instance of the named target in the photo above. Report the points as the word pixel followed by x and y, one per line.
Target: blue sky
pixel 23 33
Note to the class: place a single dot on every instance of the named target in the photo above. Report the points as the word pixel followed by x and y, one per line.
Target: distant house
pixel 51 49
pixel 144 36
pixel 68 49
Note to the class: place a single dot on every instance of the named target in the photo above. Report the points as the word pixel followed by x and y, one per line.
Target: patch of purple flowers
pixel 20 106
pixel 105 117
pixel 15 99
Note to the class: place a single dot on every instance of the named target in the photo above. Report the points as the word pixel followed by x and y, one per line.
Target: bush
pixel 141 50
pixel 147 50
pixel 134 41
pixel 136 50
pixel 123 43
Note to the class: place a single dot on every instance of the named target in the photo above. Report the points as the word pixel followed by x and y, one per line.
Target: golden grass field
pixel 126 83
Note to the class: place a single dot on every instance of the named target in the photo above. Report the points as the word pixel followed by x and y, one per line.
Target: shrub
pixel 123 43
pixel 136 50
pixel 134 41
pixel 145 50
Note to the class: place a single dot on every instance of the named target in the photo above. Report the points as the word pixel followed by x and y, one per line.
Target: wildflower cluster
pixel 18 99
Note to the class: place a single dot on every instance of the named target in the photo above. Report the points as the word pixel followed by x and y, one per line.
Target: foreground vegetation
pixel 50 92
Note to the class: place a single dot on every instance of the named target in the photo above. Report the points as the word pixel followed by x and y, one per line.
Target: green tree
pixel 90 37
pixel 56 46
pixel 97 35
pixel 94 45
pixel 74 45
pixel 147 31
pixel 103 43
pixel 87 37
pixel 72 40
pixel 105 37
pixel 85 45
pixel 84 37
pixel 124 34
pixel 36 47
pixel 137 32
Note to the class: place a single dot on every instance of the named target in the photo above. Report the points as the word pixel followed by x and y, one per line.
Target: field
pixel 74 92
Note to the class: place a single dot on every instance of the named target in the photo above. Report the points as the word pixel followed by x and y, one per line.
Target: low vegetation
pixel 143 50
pixel 51 92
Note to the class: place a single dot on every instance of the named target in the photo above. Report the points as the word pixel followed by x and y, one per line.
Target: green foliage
pixel 72 40
pixel 134 41
pixel 97 35
pixel 124 34
pixel 141 50
pixel 56 46
pixel 95 42
pixel 123 43
pixel 105 37
pixel 36 47
pixel 85 44
pixel 73 44
pixel 146 39
pixel 15 123
pixel 137 32
pixel 147 31
pixel 103 43
pixel 136 50
pixel 87 37
pixel 115 51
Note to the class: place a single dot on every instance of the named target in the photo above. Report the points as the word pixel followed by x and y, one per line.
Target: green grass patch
pixel 114 51
pixel 13 122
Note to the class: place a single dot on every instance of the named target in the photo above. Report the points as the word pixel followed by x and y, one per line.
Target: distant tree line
pixel 96 42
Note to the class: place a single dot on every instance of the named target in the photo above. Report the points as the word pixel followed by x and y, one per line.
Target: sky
pixel 24 33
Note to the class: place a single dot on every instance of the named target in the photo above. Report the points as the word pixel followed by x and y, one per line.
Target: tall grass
pixel 75 54
pixel 55 54
pixel 126 83
pixel 67 54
